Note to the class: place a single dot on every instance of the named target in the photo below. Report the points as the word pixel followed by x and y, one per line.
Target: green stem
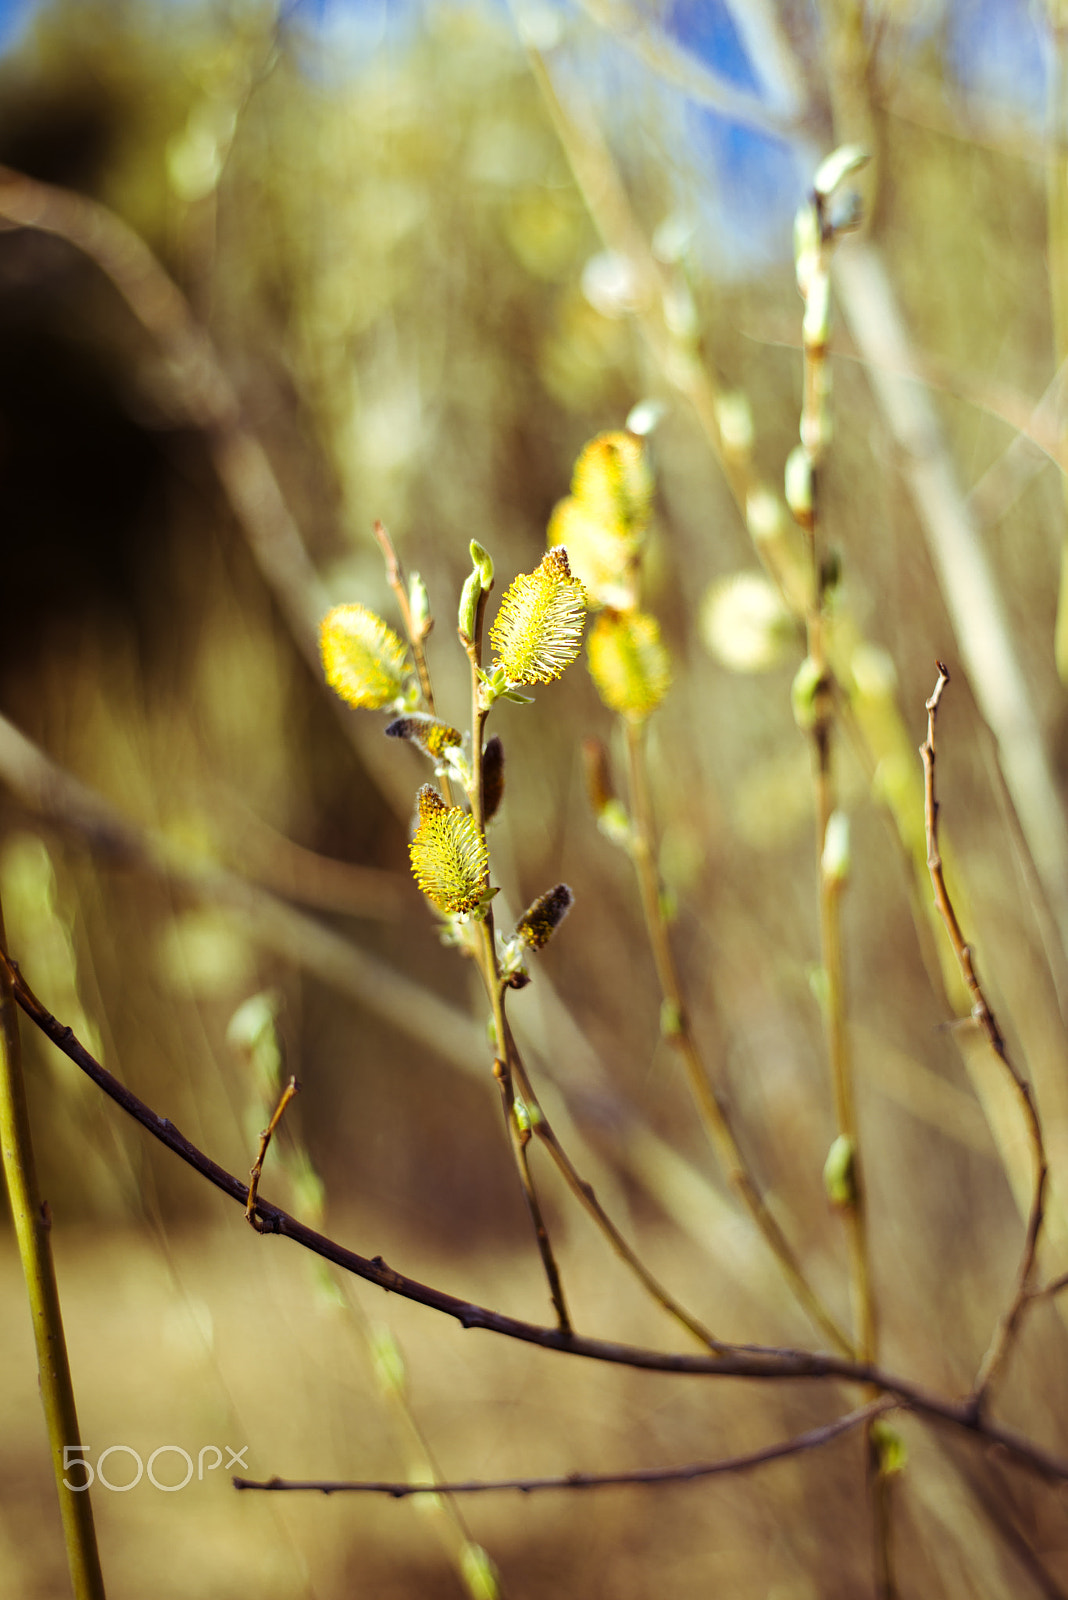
pixel 710 1107
pixel 815 434
pixel 486 957
pixel 32 1227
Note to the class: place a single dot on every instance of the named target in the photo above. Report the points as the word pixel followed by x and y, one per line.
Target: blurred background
pixel 424 252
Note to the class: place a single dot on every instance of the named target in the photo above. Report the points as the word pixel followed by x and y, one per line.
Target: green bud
pixel 671 1023
pixel 816 324
pixel 614 822
pixel 805 692
pixel 839 1172
pixel 891 1452
pixel 483 564
pixel 835 859
pixel 800 490
pixel 470 596
pixel 808 244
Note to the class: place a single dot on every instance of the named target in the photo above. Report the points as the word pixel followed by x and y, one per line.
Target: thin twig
pixel 815 434
pixel 485 951
pixel 587 1198
pixel 519 1139
pixel 710 1105
pixel 984 1018
pixel 649 1477
pixel 416 635
pixel 288 1093
pixel 55 795
pixel 731 1361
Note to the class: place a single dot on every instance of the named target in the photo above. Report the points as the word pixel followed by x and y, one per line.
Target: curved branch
pixel 732 1361
pixel 984 1018
pixel 648 1477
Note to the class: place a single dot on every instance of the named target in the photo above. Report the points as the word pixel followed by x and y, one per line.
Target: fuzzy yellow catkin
pixel 613 482
pixel 364 661
pixel 538 630
pixel 628 663
pixel 448 854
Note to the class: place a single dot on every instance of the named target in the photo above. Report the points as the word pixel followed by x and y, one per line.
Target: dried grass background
pixel 390 263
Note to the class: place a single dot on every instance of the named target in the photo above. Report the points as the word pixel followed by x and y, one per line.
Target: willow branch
pixel 57 796
pixel 485 952
pixel 984 1018
pixel 752 1362
pixel 585 1194
pixel 650 1477
pixel 417 635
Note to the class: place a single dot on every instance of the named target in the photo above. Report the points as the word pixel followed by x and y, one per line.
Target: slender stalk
pixel 983 1016
pixel 814 1439
pixel 416 635
pixel 813 268
pixel 519 1138
pixel 584 1193
pixel 291 1089
pixel 756 1363
pixel 485 952
pixel 679 1033
pixel 33 1224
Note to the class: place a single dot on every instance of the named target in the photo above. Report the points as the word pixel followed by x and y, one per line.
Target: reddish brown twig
pixel 984 1018
pixel 751 1362
pixel 288 1093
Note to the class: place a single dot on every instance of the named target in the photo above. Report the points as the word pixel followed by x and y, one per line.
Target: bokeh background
pixel 433 249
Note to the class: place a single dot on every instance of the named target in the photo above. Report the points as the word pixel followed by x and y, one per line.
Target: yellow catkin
pixel 538 630
pixel 364 661
pixel 449 858
pixel 628 663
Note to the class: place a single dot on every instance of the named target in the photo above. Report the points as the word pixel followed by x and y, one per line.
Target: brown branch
pixel 984 1018
pixel 645 1478
pixel 251 1215
pixel 416 635
pixel 753 1362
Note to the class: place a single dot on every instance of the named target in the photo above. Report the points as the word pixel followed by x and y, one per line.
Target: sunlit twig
pixel 288 1093
pixel 984 1018
pixel 752 1362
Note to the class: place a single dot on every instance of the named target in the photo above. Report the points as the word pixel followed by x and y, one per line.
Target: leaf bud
pixel 835 859
pixel 800 487
pixel 839 1172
